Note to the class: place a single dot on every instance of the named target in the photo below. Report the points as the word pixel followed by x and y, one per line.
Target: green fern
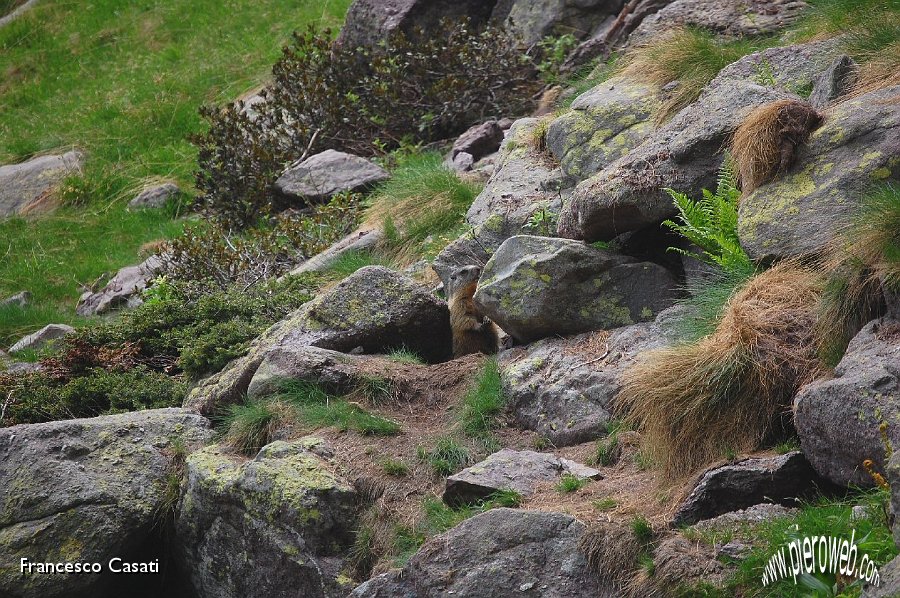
pixel 711 223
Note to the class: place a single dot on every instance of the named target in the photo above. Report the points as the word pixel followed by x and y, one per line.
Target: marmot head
pixel 461 278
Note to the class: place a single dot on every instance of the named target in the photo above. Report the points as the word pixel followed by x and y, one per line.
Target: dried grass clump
pixel 729 390
pixel 766 141
pixel 612 550
pixel 879 70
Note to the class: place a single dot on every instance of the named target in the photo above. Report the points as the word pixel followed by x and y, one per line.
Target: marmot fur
pixel 472 331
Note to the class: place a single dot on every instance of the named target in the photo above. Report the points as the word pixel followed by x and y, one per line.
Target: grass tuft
pixel 252 425
pixel 351 261
pixel 570 483
pixel 446 457
pixel 407 356
pixel 394 467
pixel 483 404
pixel 734 384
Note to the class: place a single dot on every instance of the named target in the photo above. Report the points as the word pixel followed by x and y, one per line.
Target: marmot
pixel 472 331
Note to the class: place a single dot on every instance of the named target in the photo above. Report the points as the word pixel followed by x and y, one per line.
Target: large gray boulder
pixel 504 553
pixel 479 141
pixel 85 490
pixel 535 287
pixel 369 22
pixel 521 471
pixel 685 154
pixel 603 124
pixel 780 479
pixel 23 185
pixel 888 584
pixel 320 177
pixel 375 309
pixel 839 419
pixel 525 183
pixel 125 289
pixel 272 526
pixel 44 336
pixel 800 212
pixel 154 197
pixel 563 388
pixel 735 19
pixel 533 20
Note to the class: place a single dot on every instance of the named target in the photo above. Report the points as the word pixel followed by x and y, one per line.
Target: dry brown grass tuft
pixel 879 70
pixel 766 141
pixel 611 549
pixel 729 390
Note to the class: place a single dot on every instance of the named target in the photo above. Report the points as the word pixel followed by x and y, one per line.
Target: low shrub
pixel 412 88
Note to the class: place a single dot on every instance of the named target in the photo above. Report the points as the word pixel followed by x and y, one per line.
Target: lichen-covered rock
pixel 533 20
pixel 504 553
pixel 336 372
pixel 834 82
pixel 23 185
pixel 685 154
pixel 37 340
pixel 507 469
pixel 85 490
pixel 535 287
pixel 892 471
pixel 326 174
pixel 604 124
pixel 124 289
pixel 525 186
pixel 563 388
pixel 272 526
pixel 737 19
pixel 375 308
pixel 780 479
pixel 839 419
pixel 800 211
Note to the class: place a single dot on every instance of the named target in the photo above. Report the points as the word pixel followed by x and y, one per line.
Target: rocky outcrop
pixel 125 289
pixel 374 309
pixel 535 287
pixel 839 420
pixel 563 388
pixel 154 197
pixel 780 479
pixel 735 19
pixel 889 582
pixel 361 240
pixel 685 153
pixel 85 490
pixel 800 212
pixel 503 553
pixel 834 82
pixel 520 471
pixel 37 340
pixel 23 186
pixel 20 299
pixel 336 372
pixel 272 526
pixel 603 124
pixel 525 184
pixel 533 20
pixel 319 177
pixel 479 141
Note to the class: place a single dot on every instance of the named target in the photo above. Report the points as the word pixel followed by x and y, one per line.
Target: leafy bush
pixel 711 224
pixel 195 328
pixel 38 397
pixel 323 96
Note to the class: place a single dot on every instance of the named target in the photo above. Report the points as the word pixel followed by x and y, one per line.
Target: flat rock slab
pixel 839 419
pixel 125 289
pixel 324 175
pixel 504 553
pixel 37 340
pixel 781 479
pixel 84 490
pixel 535 287
pixel 22 185
pixel 507 469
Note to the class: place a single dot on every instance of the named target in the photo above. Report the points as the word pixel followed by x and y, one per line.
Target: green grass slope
pixel 122 80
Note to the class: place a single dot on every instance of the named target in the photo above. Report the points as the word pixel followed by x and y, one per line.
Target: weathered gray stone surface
pixel 479 141
pixel 604 124
pixel 154 197
pixel 123 290
pixel 326 174
pixel 362 240
pixel 751 515
pixel 504 553
pixel 685 153
pixel 834 82
pixel 36 340
pixel 838 419
pixel 22 185
pixel 524 183
pixel 736 18
pixel 507 469
pixel 334 371
pixel 534 20
pixel 20 299
pixel 563 388
pixel 272 526
pixel 84 490
pixel 800 212
pixel 535 287
pixel 781 479
pixel 889 582
pixel 375 308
